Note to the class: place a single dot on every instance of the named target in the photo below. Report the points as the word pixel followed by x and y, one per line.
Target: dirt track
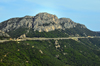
pixel 24 39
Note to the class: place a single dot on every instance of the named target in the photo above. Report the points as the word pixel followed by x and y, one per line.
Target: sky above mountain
pixel 86 12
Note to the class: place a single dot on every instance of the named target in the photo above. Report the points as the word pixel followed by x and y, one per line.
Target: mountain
pixel 59 52
pixel 44 23
pixel 41 22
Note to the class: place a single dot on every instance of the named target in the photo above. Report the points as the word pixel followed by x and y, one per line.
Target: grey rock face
pixel 40 22
pixel 46 22
pixel 15 23
pixel 67 23
pixel 22 36
pixel 4 34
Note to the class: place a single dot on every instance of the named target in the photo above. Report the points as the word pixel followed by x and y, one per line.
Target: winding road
pixel 62 38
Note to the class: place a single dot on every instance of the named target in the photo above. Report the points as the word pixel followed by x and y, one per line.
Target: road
pixel 24 39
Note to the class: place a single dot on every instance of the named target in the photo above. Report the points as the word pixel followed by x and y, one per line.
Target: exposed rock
pixel 22 36
pixel 32 46
pixel 18 42
pixel 41 22
pixel 77 35
pixel 1 60
pixel 41 51
pixel 27 61
pixel 57 44
pixel 5 55
pixel 67 23
pixel 46 22
pixel 3 34
pixel 28 44
pixel 65 46
pixel 15 23
pixel 57 56
pixel 65 53
pixel 18 50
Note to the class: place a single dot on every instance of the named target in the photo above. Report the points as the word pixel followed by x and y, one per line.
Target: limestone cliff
pixel 41 22
pixel 3 34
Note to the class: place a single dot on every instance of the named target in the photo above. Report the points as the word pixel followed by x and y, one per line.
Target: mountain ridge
pixel 41 22
pixel 44 25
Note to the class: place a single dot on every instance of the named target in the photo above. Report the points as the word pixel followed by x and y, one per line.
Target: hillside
pixel 51 53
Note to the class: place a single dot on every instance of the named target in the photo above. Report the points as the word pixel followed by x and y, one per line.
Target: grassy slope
pixel 17 54
pixel 70 52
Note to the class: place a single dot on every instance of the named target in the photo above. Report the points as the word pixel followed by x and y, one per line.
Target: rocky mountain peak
pixel 46 16
pixel 46 22
pixel 41 22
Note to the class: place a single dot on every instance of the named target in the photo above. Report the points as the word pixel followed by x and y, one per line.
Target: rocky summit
pixel 41 22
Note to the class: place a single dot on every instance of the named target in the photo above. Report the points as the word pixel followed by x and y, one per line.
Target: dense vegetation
pixel 17 32
pixel 81 31
pixel 92 43
pixel 4 37
pixel 46 53
pixel 51 34
pixel 22 54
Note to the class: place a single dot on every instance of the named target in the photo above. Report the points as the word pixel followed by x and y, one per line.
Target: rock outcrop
pixel 3 34
pixel 41 22
pixel 15 23
pixel 22 36
pixel 67 23
pixel 46 22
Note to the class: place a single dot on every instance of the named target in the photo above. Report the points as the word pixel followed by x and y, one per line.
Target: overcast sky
pixel 86 12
